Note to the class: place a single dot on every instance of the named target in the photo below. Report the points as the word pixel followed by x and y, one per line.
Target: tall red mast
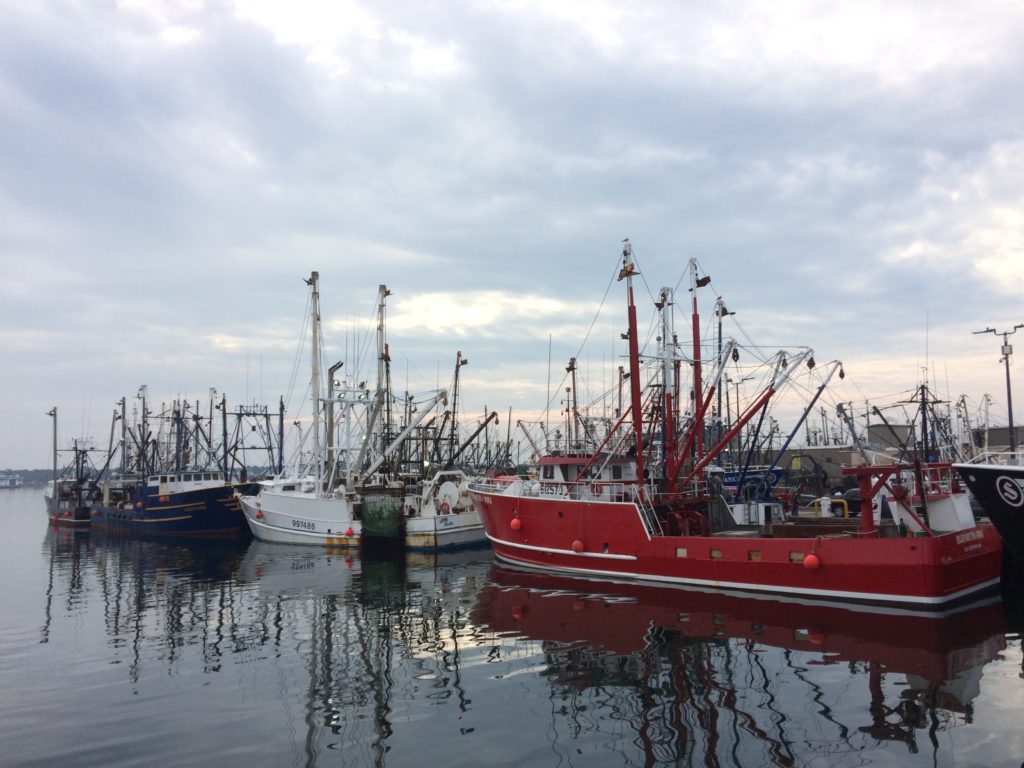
pixel 627 272
pixel 698 388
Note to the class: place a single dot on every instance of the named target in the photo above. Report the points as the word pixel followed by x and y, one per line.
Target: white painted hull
pixel 301 518
pixel 452 531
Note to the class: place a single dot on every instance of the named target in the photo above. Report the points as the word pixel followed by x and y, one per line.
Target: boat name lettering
pixel 555 489
pixel 307 526
pixel 975 535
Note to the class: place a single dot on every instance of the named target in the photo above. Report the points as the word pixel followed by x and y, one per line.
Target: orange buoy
pixel 812 562
pixel 259 514
pixel 577 546
pixel 138 505
pixel 348 532
pixel 164 499
pixel 516 524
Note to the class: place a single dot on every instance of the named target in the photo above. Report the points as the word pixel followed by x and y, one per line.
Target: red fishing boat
pixel 644 502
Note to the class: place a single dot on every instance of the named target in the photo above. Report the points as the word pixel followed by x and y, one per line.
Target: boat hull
pixel 383 521
pixel 210 512
pixel 458 530
pixel 610 540
pixel 1000 491
pixel 296 518
pixel 71 507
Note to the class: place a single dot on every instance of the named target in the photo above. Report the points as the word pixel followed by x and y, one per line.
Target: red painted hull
pixel 613 543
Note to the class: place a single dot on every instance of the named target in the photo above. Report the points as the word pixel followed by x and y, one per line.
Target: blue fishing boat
pixel 178 503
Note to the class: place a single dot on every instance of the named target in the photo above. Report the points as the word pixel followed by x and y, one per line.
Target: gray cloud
pixel 168 174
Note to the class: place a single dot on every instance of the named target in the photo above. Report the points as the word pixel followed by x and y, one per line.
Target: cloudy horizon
pixel 172 171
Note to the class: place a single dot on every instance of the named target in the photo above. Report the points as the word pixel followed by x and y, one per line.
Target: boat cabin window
pixel 187 478
pixel 163 478
pixel 616 471
pixel 549 472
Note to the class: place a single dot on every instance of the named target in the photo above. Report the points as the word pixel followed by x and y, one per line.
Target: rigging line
pixel 299 349
pixel 593 322
pixel 750 345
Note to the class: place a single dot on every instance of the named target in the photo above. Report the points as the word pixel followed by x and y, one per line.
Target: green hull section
pixel 382 518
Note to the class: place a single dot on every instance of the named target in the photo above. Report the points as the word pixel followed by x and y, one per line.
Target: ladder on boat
pixel 648 516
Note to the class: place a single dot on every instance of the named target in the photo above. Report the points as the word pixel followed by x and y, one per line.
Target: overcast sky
pixel 849 174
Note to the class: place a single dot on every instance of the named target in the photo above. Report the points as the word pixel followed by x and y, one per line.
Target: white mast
pixel 314 318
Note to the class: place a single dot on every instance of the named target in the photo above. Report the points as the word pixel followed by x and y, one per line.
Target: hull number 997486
pixel 304 525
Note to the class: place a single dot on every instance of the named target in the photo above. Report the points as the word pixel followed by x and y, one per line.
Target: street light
pixel 1007 350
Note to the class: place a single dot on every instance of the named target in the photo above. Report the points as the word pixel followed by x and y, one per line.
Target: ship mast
pixel 627 272
pixel 314 317
pixel 668 380
pixel 698 391
pixel 53 413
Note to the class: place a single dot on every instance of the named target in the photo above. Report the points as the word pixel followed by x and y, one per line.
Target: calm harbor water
pixel 120 652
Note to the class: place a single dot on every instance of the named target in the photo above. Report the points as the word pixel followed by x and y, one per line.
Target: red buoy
pixel 577 546
pixel 348 532
pixel 516 524
pixel 259 514
pixel 812 562
pixel 138 505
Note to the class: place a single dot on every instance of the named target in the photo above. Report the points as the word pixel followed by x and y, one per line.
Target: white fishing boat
pixel 440 515
pixel 341 497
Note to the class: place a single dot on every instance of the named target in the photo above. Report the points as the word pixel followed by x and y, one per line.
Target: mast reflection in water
pixel 707 678
pixel 122 652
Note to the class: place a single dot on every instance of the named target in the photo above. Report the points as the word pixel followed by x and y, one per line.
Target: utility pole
pixel 1007 350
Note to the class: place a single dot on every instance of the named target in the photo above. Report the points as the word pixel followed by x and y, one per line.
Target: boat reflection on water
pixel 296 652
pixel 277 654
pixel 379 638
pixel 129 573
pixel 698 675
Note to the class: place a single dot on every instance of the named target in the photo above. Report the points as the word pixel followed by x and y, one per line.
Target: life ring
pixel 445 507
pixel 597 489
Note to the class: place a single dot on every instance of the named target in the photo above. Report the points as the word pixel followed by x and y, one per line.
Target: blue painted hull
pixel 199 512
